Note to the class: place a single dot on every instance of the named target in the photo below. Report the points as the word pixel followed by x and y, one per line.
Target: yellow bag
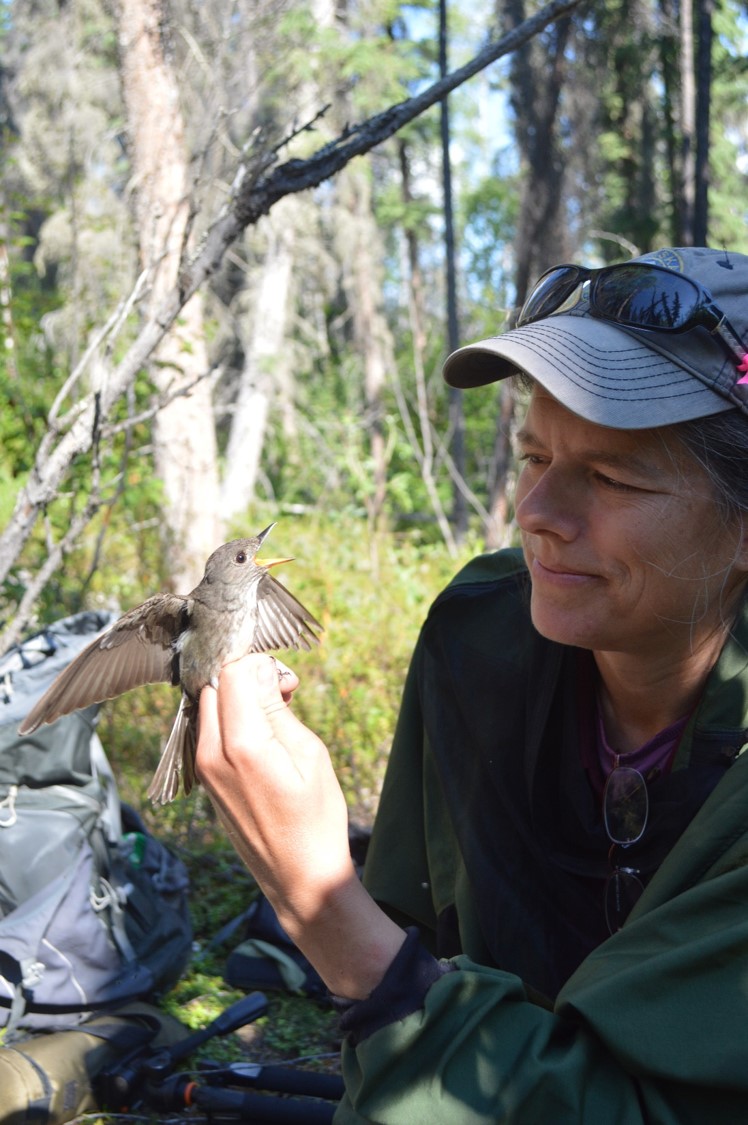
pixel 51 1077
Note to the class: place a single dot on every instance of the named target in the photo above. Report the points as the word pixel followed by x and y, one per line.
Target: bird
pixel 238 607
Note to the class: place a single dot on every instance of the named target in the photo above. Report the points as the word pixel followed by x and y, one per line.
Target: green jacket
pixel 649 1025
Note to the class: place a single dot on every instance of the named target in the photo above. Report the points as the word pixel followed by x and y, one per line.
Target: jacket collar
pixel 720 722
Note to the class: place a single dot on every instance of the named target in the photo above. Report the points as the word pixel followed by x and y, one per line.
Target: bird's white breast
pixel 233 628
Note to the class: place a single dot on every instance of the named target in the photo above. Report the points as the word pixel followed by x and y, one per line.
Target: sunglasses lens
pixel 646 297
pixel 622 891
pixel 551 291
pixel 625 805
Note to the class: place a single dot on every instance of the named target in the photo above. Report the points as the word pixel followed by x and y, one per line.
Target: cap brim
pixel 596 370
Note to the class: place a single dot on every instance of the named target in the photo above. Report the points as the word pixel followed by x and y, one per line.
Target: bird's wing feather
pixel 282 621
pixel 137 649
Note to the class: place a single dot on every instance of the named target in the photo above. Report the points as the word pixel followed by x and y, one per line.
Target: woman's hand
pixel 275 790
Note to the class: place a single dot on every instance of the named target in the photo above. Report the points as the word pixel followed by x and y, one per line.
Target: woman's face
pixel 626 548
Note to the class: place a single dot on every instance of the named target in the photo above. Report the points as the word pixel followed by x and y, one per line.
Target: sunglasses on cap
pixel 635 295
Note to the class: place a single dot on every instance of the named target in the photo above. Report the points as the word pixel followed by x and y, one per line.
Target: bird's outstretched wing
pixel 282 621
pixel 137 649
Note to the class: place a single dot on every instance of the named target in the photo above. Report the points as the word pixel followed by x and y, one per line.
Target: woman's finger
pixel 251 706
pixel 287 679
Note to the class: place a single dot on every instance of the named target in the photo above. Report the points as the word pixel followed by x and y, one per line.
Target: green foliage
pixel 728 209
pixel 122 530
pixel 296 1025
pixel 32 374
pixel 292 1026
pixel 634 161
pixel 489 212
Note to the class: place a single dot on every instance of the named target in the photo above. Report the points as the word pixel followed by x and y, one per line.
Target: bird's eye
pixel 240 557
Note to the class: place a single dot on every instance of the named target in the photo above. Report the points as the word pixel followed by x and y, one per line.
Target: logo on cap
pixel 665 257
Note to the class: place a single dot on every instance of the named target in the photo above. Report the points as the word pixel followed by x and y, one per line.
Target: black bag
pixel 267 958
pixel 93 909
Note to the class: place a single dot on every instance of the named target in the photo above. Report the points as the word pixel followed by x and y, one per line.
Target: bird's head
pixel 237 560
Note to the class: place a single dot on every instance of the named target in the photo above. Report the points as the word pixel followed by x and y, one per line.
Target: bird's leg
pixel 281 669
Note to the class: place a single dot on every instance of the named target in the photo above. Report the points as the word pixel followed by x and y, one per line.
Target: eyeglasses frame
pixel 621 877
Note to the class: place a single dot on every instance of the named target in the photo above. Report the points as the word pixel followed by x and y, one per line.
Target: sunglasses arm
pixel 727 334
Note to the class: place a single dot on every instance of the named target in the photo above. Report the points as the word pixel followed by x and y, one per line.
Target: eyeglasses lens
pixel 551 292
pixel 622 891
pixel 625 806
pixel 625 813
pixel 649 298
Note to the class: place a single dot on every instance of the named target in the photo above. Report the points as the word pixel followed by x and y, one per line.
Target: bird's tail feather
pixel 177 758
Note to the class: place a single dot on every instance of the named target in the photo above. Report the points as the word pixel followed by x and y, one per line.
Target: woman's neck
pixel 640 697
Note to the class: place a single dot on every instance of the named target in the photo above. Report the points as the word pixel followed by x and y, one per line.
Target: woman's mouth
pixel 558 572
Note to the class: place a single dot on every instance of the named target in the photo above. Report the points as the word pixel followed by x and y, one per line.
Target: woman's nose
pixel 549 504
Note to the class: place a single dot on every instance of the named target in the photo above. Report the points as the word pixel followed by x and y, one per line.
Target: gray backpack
pixel 93 909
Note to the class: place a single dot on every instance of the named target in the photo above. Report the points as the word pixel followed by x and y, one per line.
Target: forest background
pixel 215 316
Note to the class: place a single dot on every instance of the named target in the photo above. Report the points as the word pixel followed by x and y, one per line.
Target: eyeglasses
pixel 635 295
pixel 625 815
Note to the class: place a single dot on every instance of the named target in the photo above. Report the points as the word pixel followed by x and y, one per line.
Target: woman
pixel 564 821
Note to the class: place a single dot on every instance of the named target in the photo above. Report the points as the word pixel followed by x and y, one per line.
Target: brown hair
pixel 719 443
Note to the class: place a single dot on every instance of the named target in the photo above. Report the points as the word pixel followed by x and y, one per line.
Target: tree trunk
pixel 456 412
pixel 359 250
pixel 705 9
pixel 537 78
pixel 184 435
pixel 359 243
pixel 265 362
pixel 422 443
pixel 687 124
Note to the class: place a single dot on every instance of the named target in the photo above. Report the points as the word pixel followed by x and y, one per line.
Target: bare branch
pixel 425 465
pixel 157 403
pixel 108 331
pixel 52 561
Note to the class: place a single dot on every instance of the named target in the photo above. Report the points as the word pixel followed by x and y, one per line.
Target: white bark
pixel 266 363
pixel 360 252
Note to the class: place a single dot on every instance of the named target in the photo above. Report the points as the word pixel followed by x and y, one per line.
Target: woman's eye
pixel 614 485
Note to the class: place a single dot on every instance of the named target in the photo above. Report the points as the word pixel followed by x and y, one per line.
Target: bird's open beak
pixel 263 534
pixel 267 563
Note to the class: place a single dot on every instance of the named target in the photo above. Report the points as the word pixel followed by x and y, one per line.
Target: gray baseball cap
pixel 627 378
